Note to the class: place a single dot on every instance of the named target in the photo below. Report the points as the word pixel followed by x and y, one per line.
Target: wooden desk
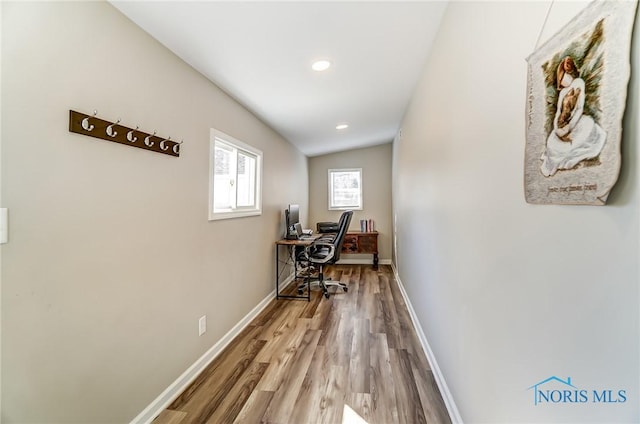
pixel 359 242
pixel 291 244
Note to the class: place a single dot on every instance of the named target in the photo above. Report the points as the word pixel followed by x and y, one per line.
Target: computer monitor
pixel 293 214
pixel 292 217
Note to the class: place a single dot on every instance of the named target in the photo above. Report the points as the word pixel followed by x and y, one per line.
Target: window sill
pixel 346 208
pixel 236 214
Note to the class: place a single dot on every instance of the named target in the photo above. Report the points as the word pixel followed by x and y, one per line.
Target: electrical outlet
pixel 202 325
pixel 4 230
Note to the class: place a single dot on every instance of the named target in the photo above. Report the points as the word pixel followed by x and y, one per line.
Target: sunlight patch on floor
pixel 349 416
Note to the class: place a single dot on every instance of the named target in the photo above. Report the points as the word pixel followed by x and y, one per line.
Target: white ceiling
pixel 261 54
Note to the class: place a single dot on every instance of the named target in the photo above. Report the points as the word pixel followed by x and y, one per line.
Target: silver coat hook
pixel 85 122
pixel 110 130
pixel 131 137
pixel 147 140
pixel 163 146
pixel 176 147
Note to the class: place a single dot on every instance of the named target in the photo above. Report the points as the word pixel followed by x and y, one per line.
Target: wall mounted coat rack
pixel 81 123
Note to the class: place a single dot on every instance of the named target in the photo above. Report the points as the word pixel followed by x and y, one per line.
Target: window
pixel 345 189
pixel 234 181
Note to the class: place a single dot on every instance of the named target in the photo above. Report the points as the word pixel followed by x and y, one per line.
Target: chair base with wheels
pixel 320 281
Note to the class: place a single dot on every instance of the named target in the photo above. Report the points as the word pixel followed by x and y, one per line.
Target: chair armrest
pixel 309 254
pixel 321 243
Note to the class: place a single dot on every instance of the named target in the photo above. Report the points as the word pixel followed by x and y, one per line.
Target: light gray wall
pixel 376 185
pixel 111 259
pixel 509 293
pixel 1 205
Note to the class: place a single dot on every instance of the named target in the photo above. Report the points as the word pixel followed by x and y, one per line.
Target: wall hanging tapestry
pixel 576 95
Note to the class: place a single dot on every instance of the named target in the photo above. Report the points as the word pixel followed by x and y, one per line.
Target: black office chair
pixel 323 252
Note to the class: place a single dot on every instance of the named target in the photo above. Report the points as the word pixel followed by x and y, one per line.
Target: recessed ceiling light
pixel 342 126
pixel 321 65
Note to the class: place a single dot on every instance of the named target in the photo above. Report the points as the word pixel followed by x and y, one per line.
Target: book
pixel 367 225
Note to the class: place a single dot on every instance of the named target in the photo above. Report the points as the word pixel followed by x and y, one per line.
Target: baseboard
pixel 452 409
pixel 181 383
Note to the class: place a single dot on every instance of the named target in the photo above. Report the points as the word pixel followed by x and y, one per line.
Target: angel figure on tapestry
pixel 576 136
pixel 573 104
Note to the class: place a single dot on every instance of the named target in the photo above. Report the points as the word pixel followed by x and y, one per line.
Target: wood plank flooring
pixel 355 354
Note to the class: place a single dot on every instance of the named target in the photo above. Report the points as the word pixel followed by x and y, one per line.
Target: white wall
pixel 509 293
pixel 111 259
pixel 375 162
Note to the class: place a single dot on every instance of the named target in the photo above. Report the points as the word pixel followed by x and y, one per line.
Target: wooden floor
pixel 352 358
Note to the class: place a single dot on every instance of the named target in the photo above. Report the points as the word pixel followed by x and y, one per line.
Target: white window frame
pixel 332 204
pixel 236 146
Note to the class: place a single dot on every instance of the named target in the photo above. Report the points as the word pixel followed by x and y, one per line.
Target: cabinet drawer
pixel 368 244
pixel 350 243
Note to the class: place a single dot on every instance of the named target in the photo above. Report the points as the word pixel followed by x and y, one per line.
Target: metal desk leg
pixel 295 270
pixel 295 273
